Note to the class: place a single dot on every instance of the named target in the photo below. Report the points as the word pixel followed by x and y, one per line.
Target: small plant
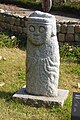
pixel 9 40
pixel 70 53
pixel 21 75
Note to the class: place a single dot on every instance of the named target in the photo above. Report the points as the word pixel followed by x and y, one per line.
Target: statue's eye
pixel 41 29
pixel 31 28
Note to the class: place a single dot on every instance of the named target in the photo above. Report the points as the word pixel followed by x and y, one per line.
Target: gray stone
pixel 64 28
pixel 42 100
pixel 61 37
pixel 25 30
pixel 70 28
pixel 22 22
pixel 69 37
pixel 12 20
pixel 17 21
pixel 4 17
pixel 8 26
pixel 14 28
pixel 46 5
pixel 42 55
pixel 77 37
pixel 1 17
pixel 19 29
pixel 25 23
pixel 58 27
pixel 77 28
pixel 2 25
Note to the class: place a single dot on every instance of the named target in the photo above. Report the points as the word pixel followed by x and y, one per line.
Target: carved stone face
pixel 38 33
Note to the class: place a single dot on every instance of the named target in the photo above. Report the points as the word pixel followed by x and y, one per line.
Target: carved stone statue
pixel 46 5
pixel 43 59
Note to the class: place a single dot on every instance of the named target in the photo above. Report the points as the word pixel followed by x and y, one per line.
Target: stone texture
pixel 42 55
pixel 39 101
pixel 64 28
pixel 22 23
pixel 2 25
pixel 25 30
pixel 12 20
pixel 77 28
pixel 4 17
pixel 25 23
pixel 46 5
pixel 5 26
pixel 69 37
pixel 19 29
pixel 58 28
pixel 8 26
pixel 14 28
pixel 61 37
pixel 1 17
pixel 16 21
pixel 77 37
pixel 70 28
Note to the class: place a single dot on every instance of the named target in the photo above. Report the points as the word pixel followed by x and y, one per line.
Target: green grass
pixel 12 73
pixel 7 40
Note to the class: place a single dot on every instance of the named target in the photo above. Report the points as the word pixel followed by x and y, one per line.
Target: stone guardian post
pixel 42 63
pixel 42 55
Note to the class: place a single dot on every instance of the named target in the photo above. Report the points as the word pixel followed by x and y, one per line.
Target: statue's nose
pixel 36 33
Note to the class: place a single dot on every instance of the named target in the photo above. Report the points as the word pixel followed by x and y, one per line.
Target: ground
pixel 26 12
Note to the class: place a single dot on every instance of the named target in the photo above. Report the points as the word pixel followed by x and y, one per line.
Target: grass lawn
pixel 12 73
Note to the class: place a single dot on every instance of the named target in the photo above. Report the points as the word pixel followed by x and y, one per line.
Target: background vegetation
pixel 70 6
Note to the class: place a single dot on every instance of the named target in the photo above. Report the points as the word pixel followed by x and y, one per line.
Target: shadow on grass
pixel 32 103
pixel 6 95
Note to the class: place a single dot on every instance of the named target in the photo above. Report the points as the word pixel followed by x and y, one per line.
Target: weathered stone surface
pixel 8 26
pixel 2 25
pixel 64 28
pixel 1 17
pixel 12 20
pixel 42 55
pixel 25 30
pixel 77 28
pixel 42 100
pixel 22 23
pixel 69 37
pixel 70 28
pixel 25 23
pixel 14 28
pixel 77 37
pixel 17 21
pixel 61 37
pixel 58 28
pixel 19 29
pixel 5 25
pixel 46 5
pixel 4 17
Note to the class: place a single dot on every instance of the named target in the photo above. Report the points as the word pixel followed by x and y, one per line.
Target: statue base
pixel 39 101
